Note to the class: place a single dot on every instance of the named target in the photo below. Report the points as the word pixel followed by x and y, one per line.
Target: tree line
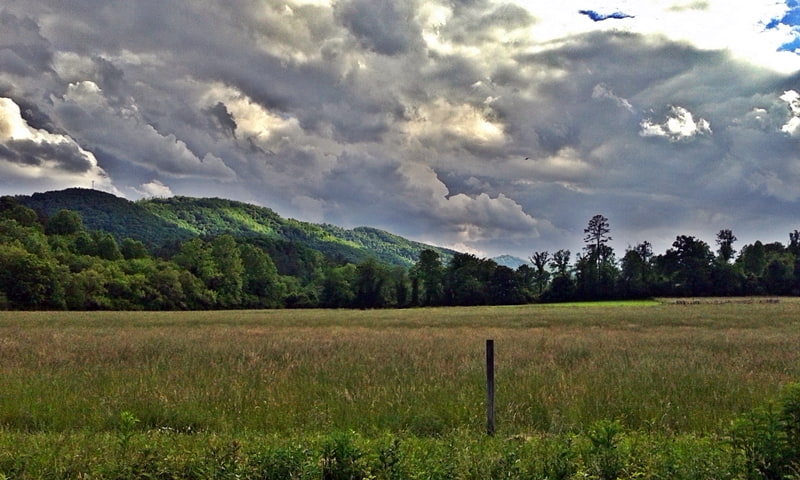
pixel 56 263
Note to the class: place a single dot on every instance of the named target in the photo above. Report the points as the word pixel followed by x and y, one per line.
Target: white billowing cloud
pixel 275 132
pixel 442 120
pixel 792 127
pixel 155 188
pixel 499 126
pixel 12 125
pixel 464 219
pixel 679 125
pixel 30 156
pixel 707 24
pixel 476 213
pixel 602 91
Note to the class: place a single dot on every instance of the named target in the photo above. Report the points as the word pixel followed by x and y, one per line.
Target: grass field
pixel 684 369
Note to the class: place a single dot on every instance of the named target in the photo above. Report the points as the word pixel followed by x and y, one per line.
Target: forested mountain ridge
pixel 159 222
pixel 104 211
pixel 85 250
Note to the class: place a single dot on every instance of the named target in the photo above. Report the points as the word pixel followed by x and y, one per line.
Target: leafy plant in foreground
pixel 126 429
pixel 769 438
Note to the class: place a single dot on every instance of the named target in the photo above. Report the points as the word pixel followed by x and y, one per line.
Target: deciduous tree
pixel 725 240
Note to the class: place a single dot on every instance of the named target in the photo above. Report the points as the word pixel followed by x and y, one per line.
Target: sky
pixel 485 126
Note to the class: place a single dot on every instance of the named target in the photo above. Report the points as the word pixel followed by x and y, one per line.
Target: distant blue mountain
pixel 509 261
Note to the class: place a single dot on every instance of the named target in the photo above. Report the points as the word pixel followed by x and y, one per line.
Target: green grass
pixel 685 368
pixel 657 369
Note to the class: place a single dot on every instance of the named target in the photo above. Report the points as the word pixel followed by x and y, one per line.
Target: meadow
pixel 400 393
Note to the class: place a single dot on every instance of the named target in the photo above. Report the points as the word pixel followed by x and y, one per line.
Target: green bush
pixel 769 438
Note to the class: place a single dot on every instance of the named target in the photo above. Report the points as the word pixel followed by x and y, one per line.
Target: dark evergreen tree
pixel 597 238
pixel 596 272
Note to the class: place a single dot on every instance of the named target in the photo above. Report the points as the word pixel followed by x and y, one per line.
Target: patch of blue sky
pixel 599 17
pixel 793 46
pixel 790 19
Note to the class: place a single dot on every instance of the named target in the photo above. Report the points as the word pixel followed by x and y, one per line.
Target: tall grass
pixel 654 367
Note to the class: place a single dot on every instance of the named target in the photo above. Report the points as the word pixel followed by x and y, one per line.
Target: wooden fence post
pixel 490 387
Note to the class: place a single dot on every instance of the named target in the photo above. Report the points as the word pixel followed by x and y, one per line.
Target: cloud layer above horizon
pixel 489 127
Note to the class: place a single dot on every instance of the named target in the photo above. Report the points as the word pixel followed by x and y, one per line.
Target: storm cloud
pixel 491 127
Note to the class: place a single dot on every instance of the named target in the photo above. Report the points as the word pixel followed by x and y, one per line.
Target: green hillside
pixel 158 222
pixel 103 211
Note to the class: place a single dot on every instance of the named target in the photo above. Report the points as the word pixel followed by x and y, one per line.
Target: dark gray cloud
pixel 467 124
pixel 383 26
pixel 23 50
pixel 63 156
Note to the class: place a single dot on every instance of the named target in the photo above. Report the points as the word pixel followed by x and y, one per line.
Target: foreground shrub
pixel 769 438
pixel 349 456
pixel 764 445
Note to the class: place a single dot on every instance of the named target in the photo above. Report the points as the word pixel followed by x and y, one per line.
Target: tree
pixel 31 238
pixel 596 239
pixel 261 286
pixel 337 288
pixel 725 240
pixel 779 276
pixel 195 256
pixel 369 283
pixel 794 243
pixel 106 246
pixel 560 262
pixel 753 259
pixel 399 276
pixel 541 274
pixel 228 260
pixel 10 209
pixel 527 280
pixel 637 271
pixel 562 287
pixel 505 287
pixel 166 290
pixel 65 222
pixel 427 276
pixel 132 249
pixel 29 281
pixel 596 272
pixel 87 289
pixel 691 259
pixel 467 279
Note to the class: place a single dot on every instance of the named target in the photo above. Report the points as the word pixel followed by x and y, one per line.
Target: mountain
pixel 159 222
pixel 509 261
pixel 103 211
